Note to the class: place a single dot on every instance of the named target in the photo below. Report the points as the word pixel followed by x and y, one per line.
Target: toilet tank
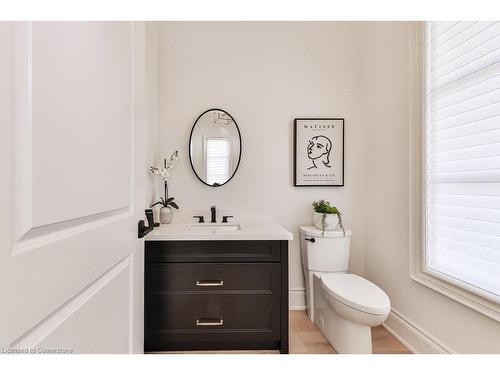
pixel 328 253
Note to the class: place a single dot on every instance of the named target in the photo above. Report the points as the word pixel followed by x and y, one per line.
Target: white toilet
pixel 343 306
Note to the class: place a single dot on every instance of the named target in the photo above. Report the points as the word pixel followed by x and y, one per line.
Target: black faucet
pixel 214 220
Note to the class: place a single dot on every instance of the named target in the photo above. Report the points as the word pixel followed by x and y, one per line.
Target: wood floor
pixel 305 338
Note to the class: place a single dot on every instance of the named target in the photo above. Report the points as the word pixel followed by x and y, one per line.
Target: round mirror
pixel 215 147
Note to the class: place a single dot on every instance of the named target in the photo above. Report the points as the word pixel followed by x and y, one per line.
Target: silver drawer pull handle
pixel 209 322
pixel 209 283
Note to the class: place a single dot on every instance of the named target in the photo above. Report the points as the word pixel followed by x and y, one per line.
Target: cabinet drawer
pixel 213 277
pixel 208 317
pixel 213 251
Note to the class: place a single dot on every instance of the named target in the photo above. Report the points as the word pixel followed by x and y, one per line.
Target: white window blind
pixel 463 155
pixel 218 158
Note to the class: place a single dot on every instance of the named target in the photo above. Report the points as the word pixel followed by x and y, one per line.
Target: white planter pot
pixel 331 221
pixel 166 215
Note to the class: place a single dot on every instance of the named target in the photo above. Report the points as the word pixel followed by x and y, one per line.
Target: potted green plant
pixel 165 173
pixel 166 213
pixel 326 216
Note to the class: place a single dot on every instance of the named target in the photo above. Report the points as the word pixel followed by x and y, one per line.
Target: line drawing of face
pixel 318 150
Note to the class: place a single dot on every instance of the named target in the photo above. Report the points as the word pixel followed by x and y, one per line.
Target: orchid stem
pixel 166 186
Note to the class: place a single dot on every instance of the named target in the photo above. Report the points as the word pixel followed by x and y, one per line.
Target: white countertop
pixel 250 230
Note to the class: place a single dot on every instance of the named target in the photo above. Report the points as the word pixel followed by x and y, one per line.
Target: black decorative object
pixel 149 217
pixel 318 152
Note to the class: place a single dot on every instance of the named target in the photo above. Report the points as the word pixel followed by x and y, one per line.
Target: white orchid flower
pixel 165 172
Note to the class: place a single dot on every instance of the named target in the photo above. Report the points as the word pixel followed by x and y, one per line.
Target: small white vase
pixel 166 215
pixel 331 221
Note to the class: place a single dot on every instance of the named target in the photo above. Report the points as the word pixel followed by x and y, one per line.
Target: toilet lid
pixel 357 292
pixel 315 232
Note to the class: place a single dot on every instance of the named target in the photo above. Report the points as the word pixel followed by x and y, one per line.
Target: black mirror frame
pixel 189 147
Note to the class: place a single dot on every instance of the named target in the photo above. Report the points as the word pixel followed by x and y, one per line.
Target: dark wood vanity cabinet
pixel 216 295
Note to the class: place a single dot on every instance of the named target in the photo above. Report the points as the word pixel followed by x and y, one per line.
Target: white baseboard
pixel 414 337
pixel 297 299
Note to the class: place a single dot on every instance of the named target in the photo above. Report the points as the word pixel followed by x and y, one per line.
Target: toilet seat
pixel 356 292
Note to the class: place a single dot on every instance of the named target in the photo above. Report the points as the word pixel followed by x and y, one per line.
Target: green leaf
pixel 174 205
pixel 155 204
pixel 170 199
pixel 324 207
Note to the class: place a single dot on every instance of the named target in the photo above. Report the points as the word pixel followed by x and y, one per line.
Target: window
pixel 462 156
pixel 218 160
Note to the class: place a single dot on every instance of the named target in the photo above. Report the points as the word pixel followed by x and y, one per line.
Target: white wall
pixel 265 75
pixel 152 101
pixel 437 320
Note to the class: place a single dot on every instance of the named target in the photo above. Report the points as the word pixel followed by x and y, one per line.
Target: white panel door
pixel 72 161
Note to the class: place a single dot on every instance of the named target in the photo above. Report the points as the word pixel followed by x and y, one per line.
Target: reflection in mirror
pixel 215 147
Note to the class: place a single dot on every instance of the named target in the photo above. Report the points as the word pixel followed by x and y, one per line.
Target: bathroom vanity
pixel 216 287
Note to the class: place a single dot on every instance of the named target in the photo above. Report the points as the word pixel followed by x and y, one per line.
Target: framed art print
pixel 319 152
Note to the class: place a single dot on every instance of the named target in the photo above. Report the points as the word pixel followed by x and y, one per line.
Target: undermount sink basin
pixel 212 227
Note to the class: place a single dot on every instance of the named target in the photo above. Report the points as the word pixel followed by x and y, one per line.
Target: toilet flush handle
pixel 310 239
